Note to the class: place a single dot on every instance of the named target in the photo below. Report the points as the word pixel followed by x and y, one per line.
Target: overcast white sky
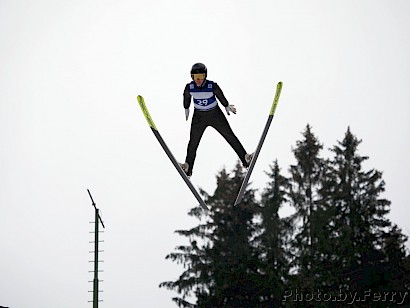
pixel 69 120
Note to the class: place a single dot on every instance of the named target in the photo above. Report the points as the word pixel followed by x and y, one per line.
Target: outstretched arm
pixel 187 97
pixel 221 97
pixel 187 101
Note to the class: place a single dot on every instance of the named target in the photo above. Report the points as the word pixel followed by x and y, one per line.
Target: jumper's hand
pixel 186 114
pixel 230 108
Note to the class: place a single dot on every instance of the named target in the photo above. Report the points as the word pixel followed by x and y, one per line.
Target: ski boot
pixel 248 159
pixel 185 168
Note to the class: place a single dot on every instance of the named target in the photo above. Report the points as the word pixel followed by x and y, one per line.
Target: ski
pixel 259 147
pixel 168 152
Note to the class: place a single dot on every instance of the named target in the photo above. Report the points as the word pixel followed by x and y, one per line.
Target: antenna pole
pixel 96 241
pixel 95 281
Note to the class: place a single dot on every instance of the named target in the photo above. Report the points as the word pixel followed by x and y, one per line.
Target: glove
pixel 230 108
pixel 186 114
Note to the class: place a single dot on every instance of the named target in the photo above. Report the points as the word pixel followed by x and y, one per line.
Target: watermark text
pixel 348 297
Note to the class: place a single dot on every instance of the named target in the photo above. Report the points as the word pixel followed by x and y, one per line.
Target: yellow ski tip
pixel 276 99
pixel 145 111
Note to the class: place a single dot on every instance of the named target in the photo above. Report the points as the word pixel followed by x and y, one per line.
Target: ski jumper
pixel 207 113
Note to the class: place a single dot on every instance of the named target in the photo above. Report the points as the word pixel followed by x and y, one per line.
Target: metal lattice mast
pixel 96 261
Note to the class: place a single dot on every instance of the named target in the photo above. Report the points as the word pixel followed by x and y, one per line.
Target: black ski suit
pixel 204 117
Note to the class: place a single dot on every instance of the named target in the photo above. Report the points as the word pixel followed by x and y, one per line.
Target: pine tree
pixel 306 177
pixel 220 261
pixel 360 222
pixel 396 277
pixel 274 238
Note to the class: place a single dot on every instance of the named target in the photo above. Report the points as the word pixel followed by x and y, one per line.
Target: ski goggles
pixel 198 76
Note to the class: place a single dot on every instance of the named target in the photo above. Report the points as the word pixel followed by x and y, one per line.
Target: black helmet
pixel 199 68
